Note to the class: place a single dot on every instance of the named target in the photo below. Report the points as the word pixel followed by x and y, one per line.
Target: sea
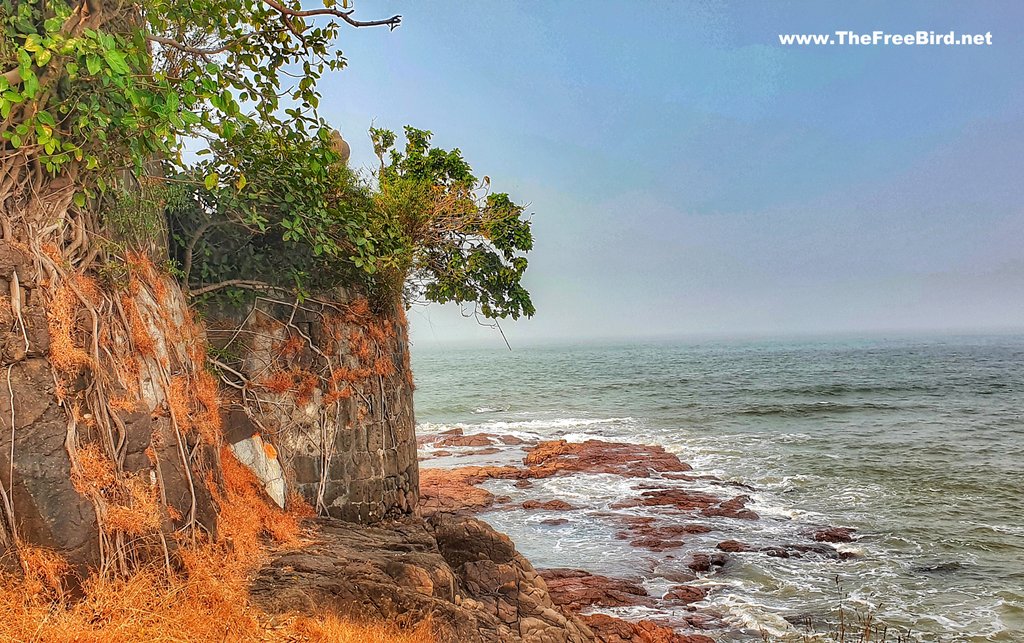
pixel 915 442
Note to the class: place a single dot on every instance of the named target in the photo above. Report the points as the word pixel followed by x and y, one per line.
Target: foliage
pixel 101 86
pixel 307 223
pixel 459 244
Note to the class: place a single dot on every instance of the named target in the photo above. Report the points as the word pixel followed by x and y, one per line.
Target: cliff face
pixel 330 390
pixel 109 414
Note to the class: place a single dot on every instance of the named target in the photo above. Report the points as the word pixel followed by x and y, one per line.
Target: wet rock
pixel 523 484
pixel 685 594
pixel 487 451
pixel 554 521
pixel 511 440
pixel 834 535
pixel 597 456
pixel 775 552
pixel 576 589
pixel 705 562
pixel 733 546
pixel 732 508
pixel 680 499
pixel 550 505
pixel 608 629
pixel 454 490
pixel 475 440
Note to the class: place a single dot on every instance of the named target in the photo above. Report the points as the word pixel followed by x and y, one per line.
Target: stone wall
pixel 329 388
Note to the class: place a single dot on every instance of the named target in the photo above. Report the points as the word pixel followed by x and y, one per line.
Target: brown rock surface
pixel 608 629
pixel 467 577
pixel 454 490
pixel 834 535
pixel 576 589
pixel 598 456
pixel 550 505
pixel 685 594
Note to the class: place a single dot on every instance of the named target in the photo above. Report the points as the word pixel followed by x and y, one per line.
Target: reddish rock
pixel 453 490
pixel 834 535
pixel 678 498
pixel 511 440
pixel 733 546
pixel 523 484
pixel 705 562
pixel 608 629
pixel 732 508
pixel 598 456
pixel 776 552
pixel 475 440
pixel 554 521
pixel 487 451
pixel 685 594
pixel 550 505
pixel 576 589
pixel 643 531
pixel 441 453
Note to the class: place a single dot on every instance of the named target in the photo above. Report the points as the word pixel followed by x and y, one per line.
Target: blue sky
pixel 689 175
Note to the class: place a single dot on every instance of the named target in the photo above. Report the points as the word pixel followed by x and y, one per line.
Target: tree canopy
pixel 107 92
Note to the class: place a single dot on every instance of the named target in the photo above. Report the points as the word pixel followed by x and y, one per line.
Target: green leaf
pixel 93 64
pixel 79 199
pixel 115 59
pixel 211 180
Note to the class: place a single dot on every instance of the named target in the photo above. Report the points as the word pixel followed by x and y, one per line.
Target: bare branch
pixel 392 23
pixel 236 283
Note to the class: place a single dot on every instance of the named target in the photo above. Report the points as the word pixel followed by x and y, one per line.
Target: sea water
pixel 917 443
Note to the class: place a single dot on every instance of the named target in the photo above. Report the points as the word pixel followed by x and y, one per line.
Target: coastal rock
pixel 454 490
pixel 732 508
pixel 458 571
pixel 550 505
pixel 685 594
pixel 597 456
pixel 608 629
pixel 834 535
pixel 706 562
pixel 733 546
pixel 475 440
pixel 643 531
pixel 576 589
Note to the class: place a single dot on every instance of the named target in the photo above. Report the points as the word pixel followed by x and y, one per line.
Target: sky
pixel 688 175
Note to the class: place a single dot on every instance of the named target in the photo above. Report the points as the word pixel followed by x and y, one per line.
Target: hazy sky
pixel 689 175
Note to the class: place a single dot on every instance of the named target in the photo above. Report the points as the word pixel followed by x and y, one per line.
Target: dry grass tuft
pixel 207 602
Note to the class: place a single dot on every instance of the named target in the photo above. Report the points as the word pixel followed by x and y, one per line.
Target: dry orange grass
pixel 208 602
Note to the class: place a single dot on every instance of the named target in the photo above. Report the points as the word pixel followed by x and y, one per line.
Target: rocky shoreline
pixel 449 566
pixel 678 507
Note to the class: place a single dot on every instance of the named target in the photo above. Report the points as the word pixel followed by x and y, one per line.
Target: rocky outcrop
pixel 458 571
pixel 114 414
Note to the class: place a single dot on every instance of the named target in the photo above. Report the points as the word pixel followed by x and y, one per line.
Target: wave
pixel 556 424
pixel 805 409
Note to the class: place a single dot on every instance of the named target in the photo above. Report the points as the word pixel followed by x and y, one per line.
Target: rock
pixel 468 578
pixel 597 456
pixel 834 535
pixel 608 629
pixel 475 440
pixel 576 589
pixel 705 562
pixel 554 521
pixel 733 546
pixel 550 505
pixel 642 531
pixel 523 484
pixel 261 458
pixel 685 594
pixel 732 508
pixel 454 490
